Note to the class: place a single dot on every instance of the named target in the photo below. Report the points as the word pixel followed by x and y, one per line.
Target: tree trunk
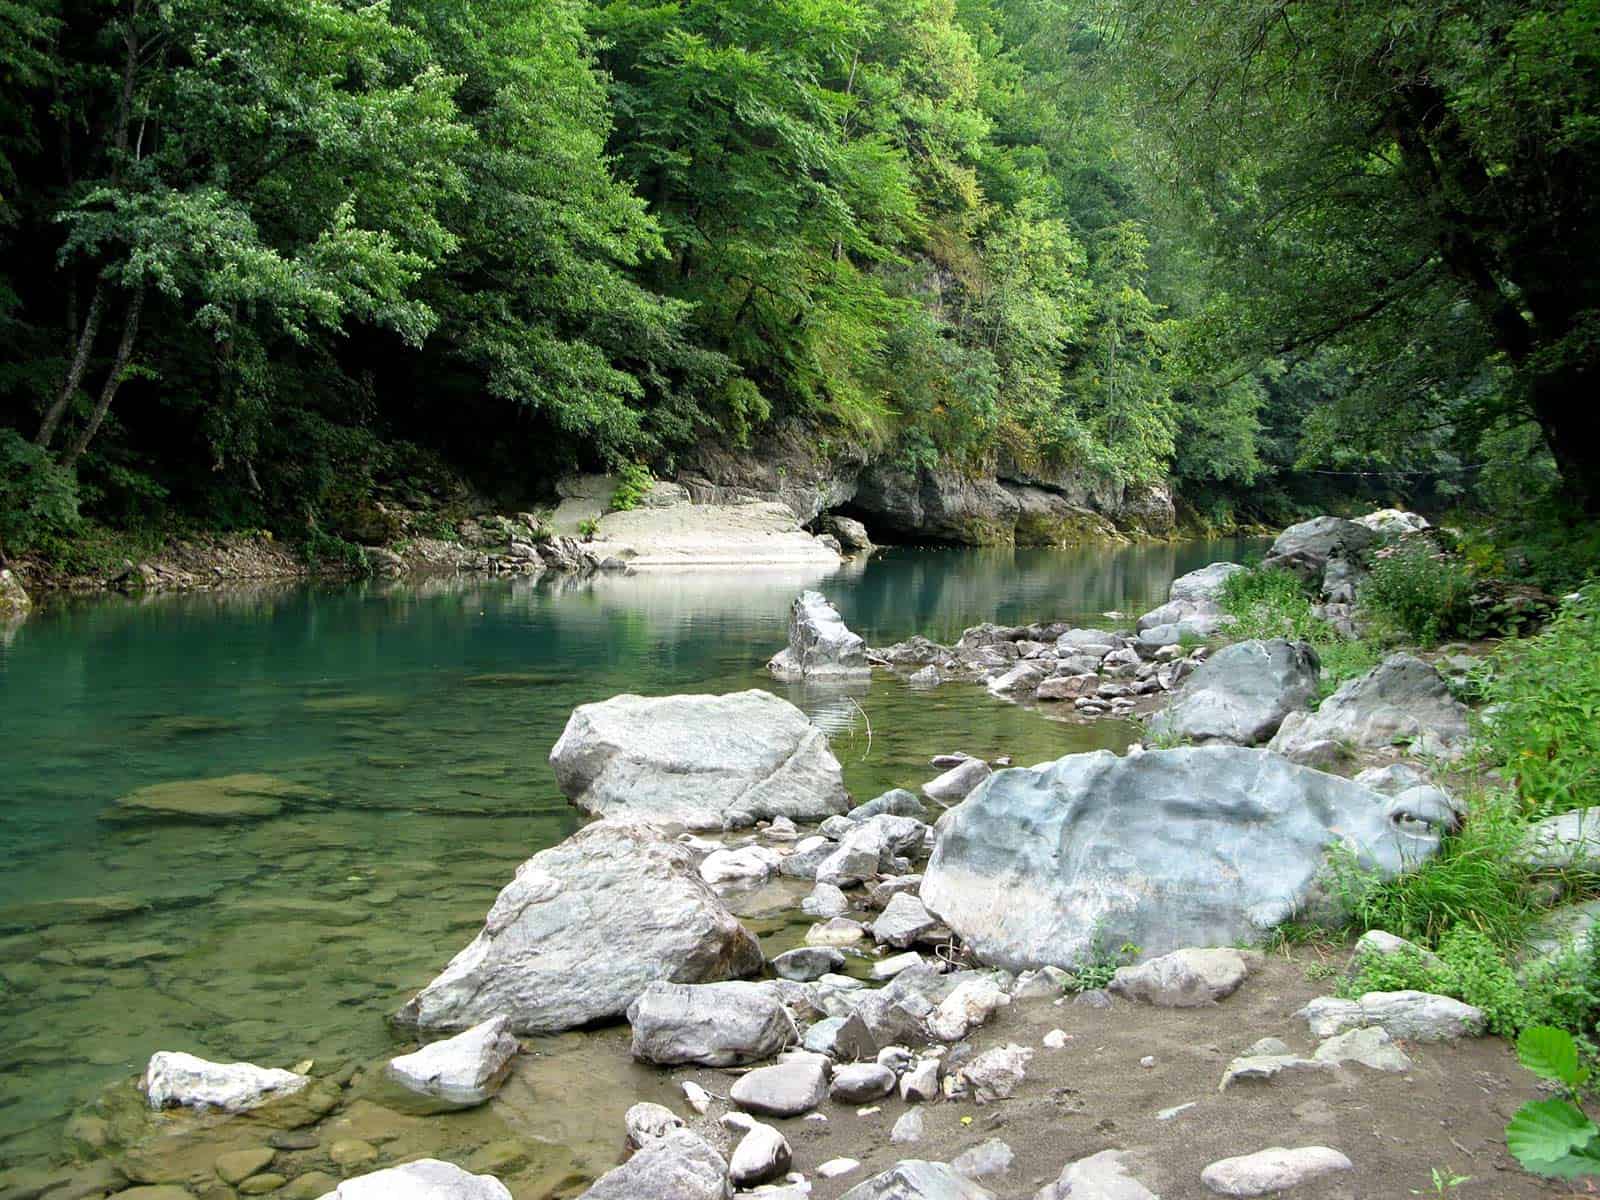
pixel 1564 405
pixel 75 369
pixel 108 393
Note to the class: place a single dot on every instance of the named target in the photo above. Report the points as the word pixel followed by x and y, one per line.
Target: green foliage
pixel 1546 739
pixel 1096 968
pixel 1554 1137
pixel 1425 594
pixel 1444 1183
pixel 1273 603
pixel 633 482
pixel 38 499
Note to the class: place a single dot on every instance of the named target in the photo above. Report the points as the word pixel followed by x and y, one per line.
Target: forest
pixel 262 261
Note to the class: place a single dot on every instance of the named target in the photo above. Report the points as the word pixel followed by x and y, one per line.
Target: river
pixel 422 713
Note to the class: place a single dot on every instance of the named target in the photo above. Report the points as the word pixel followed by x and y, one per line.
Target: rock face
pixel 425 1179
pixel 785 465
pixel 175 1078
pixel 1408 1016
pixel 821 646
pixel 1185 978
pixel 915 1179
pixel 936 505
pixel 1401 699
pixel 1200 846
pixel 583 929
pixel 1242 693
pixel 714 1024
pixel 709 762
pixel 680 1166
pixel 466 1069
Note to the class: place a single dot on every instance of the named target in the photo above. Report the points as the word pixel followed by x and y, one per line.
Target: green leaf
pixel 1569 1166
pixel 1551 1054
pixel 1548 1132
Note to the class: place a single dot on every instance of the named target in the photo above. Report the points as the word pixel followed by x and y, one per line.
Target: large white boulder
pixel 1201 846
pixel 467 1069
pixel 821 646
pixel 680 1166
pixel 714 1024
pixel 175 1078
pixel 425 1179
pixel 583 929
pixel 708 762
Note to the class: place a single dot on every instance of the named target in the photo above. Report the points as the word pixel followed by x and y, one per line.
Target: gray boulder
pixel 1204 584
pixel 915 1179
pixel 1408 1016
pixel 567 942
pixel 14 601
pixel 821 647
pixel 1242 693
pixel 896 802
pixel 173 1078
pixel 1271 1171
pixel 713 1024
pixel 861 1083
pixel 957 782
pixel 1402 699
pixel 680 1166
pixel 707 762
pixel 852 534
pixel 1189 978
pixel 806 963
pixel 903 921
pixel 762 1153
pixel 467 1069
pixel 1200 846
pixel 646 1122
pixel 1569 841
pixel 1101 1176
pixel 428 1179
pixel 1308 548
pixel 1392 523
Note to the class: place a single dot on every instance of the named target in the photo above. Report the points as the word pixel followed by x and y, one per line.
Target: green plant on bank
pixel 633 483
pixel 1425 595
pixel 38 499
pixel 1445 1183
pixel 1543 697
pixel 328 550
pixel 1096 968
pixel 588 526
pixel 1554 1137
pixel 1269 602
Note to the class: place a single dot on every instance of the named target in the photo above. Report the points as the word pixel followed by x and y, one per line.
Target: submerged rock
pixel 1202 846
pixel 1242 694
pixel 425 1179
pixel 957 782
pixel 1403 700
pixel 709 762
pixel 175 1078
pixel 221 800
pixel 714 1024
pixel 821 646
pixel 583 929
pixel 467 1069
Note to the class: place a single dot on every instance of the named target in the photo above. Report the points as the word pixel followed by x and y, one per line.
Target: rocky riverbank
pixel 1008 983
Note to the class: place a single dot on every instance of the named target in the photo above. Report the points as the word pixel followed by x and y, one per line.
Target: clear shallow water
pixel 422 714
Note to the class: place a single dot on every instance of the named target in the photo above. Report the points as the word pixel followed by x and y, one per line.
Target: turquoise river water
pixel 423 714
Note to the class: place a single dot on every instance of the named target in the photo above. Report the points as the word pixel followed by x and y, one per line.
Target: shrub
pixel 38 499
pixel 1271 602
pixel 1425 595
pixel 1554 1137
pixel 633 483
pixel 1543 693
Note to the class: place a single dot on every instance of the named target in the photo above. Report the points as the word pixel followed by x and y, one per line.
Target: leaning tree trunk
pixel 108 393
pixel 75 368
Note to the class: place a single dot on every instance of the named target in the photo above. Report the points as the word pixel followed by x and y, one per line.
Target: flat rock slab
pixel 584 928
pixel 1190 978
pixel 1272 1170
pixel 707 762
pixel 764 533
pixel 786 1090
pixel 1102 1176
pixel 173 1078
pixel 221 800
pixel 1370 1046
pixel 1409 1016
pixel 915 1179
pixel 426 1179
pixel 1202 846
pixel 467 1069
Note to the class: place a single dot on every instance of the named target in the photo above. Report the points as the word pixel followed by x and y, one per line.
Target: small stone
pixel 888 968
pixel 1185 978
pixel 825 901
pixel 1102 1176
pixel 260 1185
pixel 861 1082
pixel 957 782
pixel 903 921
pixel 762 1154
pixel 311 1186
pixel 921 1082
pixel 996 1074
pixel 908 1128
pixel 241 1164
pixel 987 1160
pixel 1414 1016
pixel 1148 1061
pixel 699 1099
pixel 836 1167
pixel 293 1139
pixel 352 1152
pixel 1370 1046
pixel 1166 1114
pixel 807 963
pixel 1269 1046
pixel 1092 998
pixel 1272 1170
pixel 466 1069
pixel 1056 1039
pixel 898 1059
